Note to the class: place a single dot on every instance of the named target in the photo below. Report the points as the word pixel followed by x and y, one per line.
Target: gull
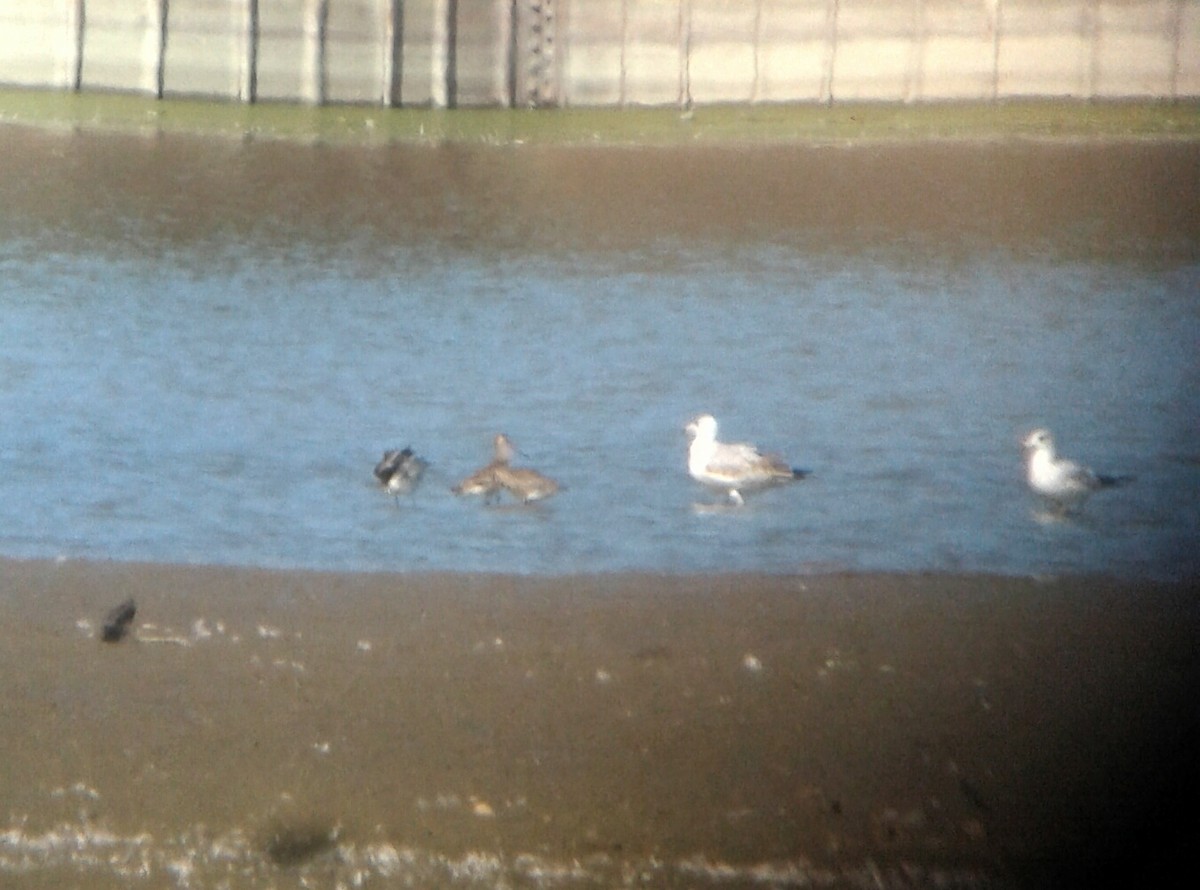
pixel 1063 483
pixel 732 467
pixel 523 483
pixel 399 471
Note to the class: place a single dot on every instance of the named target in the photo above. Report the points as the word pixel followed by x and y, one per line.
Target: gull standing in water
pixel 523 483
pixel 1063 483
pixel 399 471
pixel 732 467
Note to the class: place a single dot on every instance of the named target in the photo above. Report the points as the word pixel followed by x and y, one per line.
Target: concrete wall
pixel 605 52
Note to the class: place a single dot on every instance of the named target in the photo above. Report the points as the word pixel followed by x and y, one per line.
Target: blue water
pixel 224 401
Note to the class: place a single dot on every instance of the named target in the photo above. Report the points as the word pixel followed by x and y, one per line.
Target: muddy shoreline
pixel 1093 198
pixel 993 731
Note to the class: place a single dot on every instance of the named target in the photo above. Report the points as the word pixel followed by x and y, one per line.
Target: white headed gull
pixel 1064 483
pixel 732 467
pixel 399 471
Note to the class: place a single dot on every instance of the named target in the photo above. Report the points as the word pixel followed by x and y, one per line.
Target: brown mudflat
pixel 624 729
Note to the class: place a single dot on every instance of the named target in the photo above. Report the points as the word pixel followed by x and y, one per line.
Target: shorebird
pixel 732 467
pixel 523 483
pixel 399 471
pixel 483 481
pixel 117 621
pixel 1064 484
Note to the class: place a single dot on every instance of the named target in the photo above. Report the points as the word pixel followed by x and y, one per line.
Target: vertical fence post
pixel 548 55
pixel 512 58
pixel 160 61
pixel 685 54
pixel 248 86
pixel 393 58
pixel 533 56
pixel 831 40
pixel 1176 35
pixel 75 62
pixel 451 54
pixel 437 56
pixel 317 18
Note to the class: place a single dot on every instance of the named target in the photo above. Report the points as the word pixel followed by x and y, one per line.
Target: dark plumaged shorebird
pixel 399 471
pixel 732 467
pixel 1062 483
pixel 117 621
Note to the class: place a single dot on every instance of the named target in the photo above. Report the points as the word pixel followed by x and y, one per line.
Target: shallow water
pixel 206 347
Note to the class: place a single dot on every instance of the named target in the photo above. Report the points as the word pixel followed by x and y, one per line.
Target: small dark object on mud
pixel 116 623
pixel 295 844
pixel 972 794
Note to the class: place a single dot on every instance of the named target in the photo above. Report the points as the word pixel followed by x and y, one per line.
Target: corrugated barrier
pixel 519 53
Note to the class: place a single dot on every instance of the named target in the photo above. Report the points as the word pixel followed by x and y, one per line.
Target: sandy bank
pixel 1099 198
pixel 650 730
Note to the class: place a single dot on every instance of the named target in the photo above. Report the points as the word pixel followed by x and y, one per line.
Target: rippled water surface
pixel 207 372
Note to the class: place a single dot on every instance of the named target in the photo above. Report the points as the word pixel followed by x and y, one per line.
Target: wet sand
pixel 1107 198
pixel 261 728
